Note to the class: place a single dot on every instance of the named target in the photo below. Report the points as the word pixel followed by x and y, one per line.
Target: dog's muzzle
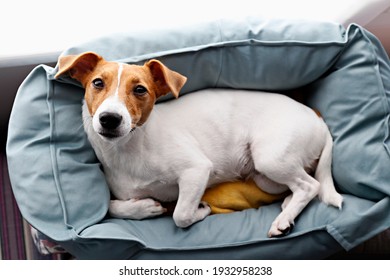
pixel 112 120
pixel 110 123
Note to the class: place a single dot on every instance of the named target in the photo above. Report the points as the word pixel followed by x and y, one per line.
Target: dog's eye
pixel 98 83
pixel 140 90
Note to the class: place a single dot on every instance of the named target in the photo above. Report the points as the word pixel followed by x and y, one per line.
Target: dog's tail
pixel 323 174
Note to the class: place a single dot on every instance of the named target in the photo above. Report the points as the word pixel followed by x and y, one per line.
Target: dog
pixel 177 149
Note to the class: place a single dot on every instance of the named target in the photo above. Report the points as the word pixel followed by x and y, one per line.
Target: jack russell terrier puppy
pixel 177 149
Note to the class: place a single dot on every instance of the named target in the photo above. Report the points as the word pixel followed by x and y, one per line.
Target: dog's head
pixel 119 96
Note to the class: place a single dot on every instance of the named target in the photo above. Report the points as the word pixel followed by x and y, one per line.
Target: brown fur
pixel 82 68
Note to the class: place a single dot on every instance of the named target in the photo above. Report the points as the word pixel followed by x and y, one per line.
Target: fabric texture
pixel 344 74
pixel 16 242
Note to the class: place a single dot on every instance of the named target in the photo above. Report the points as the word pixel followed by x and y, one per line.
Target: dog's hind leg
pixel 272 187
pixel 304 188
pixel 268 185
pixel 284 171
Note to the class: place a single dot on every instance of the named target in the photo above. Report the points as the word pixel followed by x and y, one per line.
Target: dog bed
pixel 343 73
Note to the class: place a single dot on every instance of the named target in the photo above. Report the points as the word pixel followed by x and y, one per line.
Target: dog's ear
pixel 166 80
pixel 77 66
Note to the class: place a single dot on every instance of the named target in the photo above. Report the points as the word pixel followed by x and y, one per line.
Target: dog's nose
pixel 110 120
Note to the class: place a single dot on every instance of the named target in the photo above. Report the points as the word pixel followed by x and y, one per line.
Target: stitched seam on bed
pixel 82 239
pixel 381 91
pixel 53 149
pixel 221 56
pixel 339 237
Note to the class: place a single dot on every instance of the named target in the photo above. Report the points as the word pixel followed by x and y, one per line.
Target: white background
pixel 39 26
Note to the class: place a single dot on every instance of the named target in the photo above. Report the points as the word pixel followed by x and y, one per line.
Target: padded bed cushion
pixel 345 74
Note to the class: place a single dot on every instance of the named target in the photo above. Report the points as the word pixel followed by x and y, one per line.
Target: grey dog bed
pixel 345 74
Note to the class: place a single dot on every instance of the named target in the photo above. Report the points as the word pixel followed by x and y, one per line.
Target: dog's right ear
pixel 77 66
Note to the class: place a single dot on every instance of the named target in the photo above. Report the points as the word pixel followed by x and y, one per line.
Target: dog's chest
pixel 135 180
pixel 159 190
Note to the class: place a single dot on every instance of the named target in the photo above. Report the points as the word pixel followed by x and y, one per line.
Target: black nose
pixel 110 120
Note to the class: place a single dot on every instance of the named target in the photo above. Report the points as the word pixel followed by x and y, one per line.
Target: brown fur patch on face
pixel 100 80
pixel 154 78
pixel 107 72
pixel 138 105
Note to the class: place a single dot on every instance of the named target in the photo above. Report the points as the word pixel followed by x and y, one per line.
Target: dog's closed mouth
pixel 109 135
pixel 113 134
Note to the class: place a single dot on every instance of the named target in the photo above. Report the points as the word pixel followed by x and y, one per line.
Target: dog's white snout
pixel 110 120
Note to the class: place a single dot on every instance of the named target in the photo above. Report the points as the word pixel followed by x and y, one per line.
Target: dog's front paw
pixel 185 218
pixel 136 209
pixel 280 227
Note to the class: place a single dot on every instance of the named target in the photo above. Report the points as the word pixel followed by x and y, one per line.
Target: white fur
pixel 114 105
pixel 213 136
pixel 120 70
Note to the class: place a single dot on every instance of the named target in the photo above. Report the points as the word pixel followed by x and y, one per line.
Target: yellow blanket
pixel 233 196
pixel 237 196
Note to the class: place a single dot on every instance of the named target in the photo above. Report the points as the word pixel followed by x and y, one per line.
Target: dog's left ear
pixel 166 80
pixel 77 66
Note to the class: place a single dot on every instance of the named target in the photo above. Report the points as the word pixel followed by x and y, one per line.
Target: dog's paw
pixel 149 208
pixel 204 205
pixel 185 219
pixel 203 210
pixel 136 209
pixel 334 199
pixel 280 227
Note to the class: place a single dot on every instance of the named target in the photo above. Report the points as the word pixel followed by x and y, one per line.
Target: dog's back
pixel 225 124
